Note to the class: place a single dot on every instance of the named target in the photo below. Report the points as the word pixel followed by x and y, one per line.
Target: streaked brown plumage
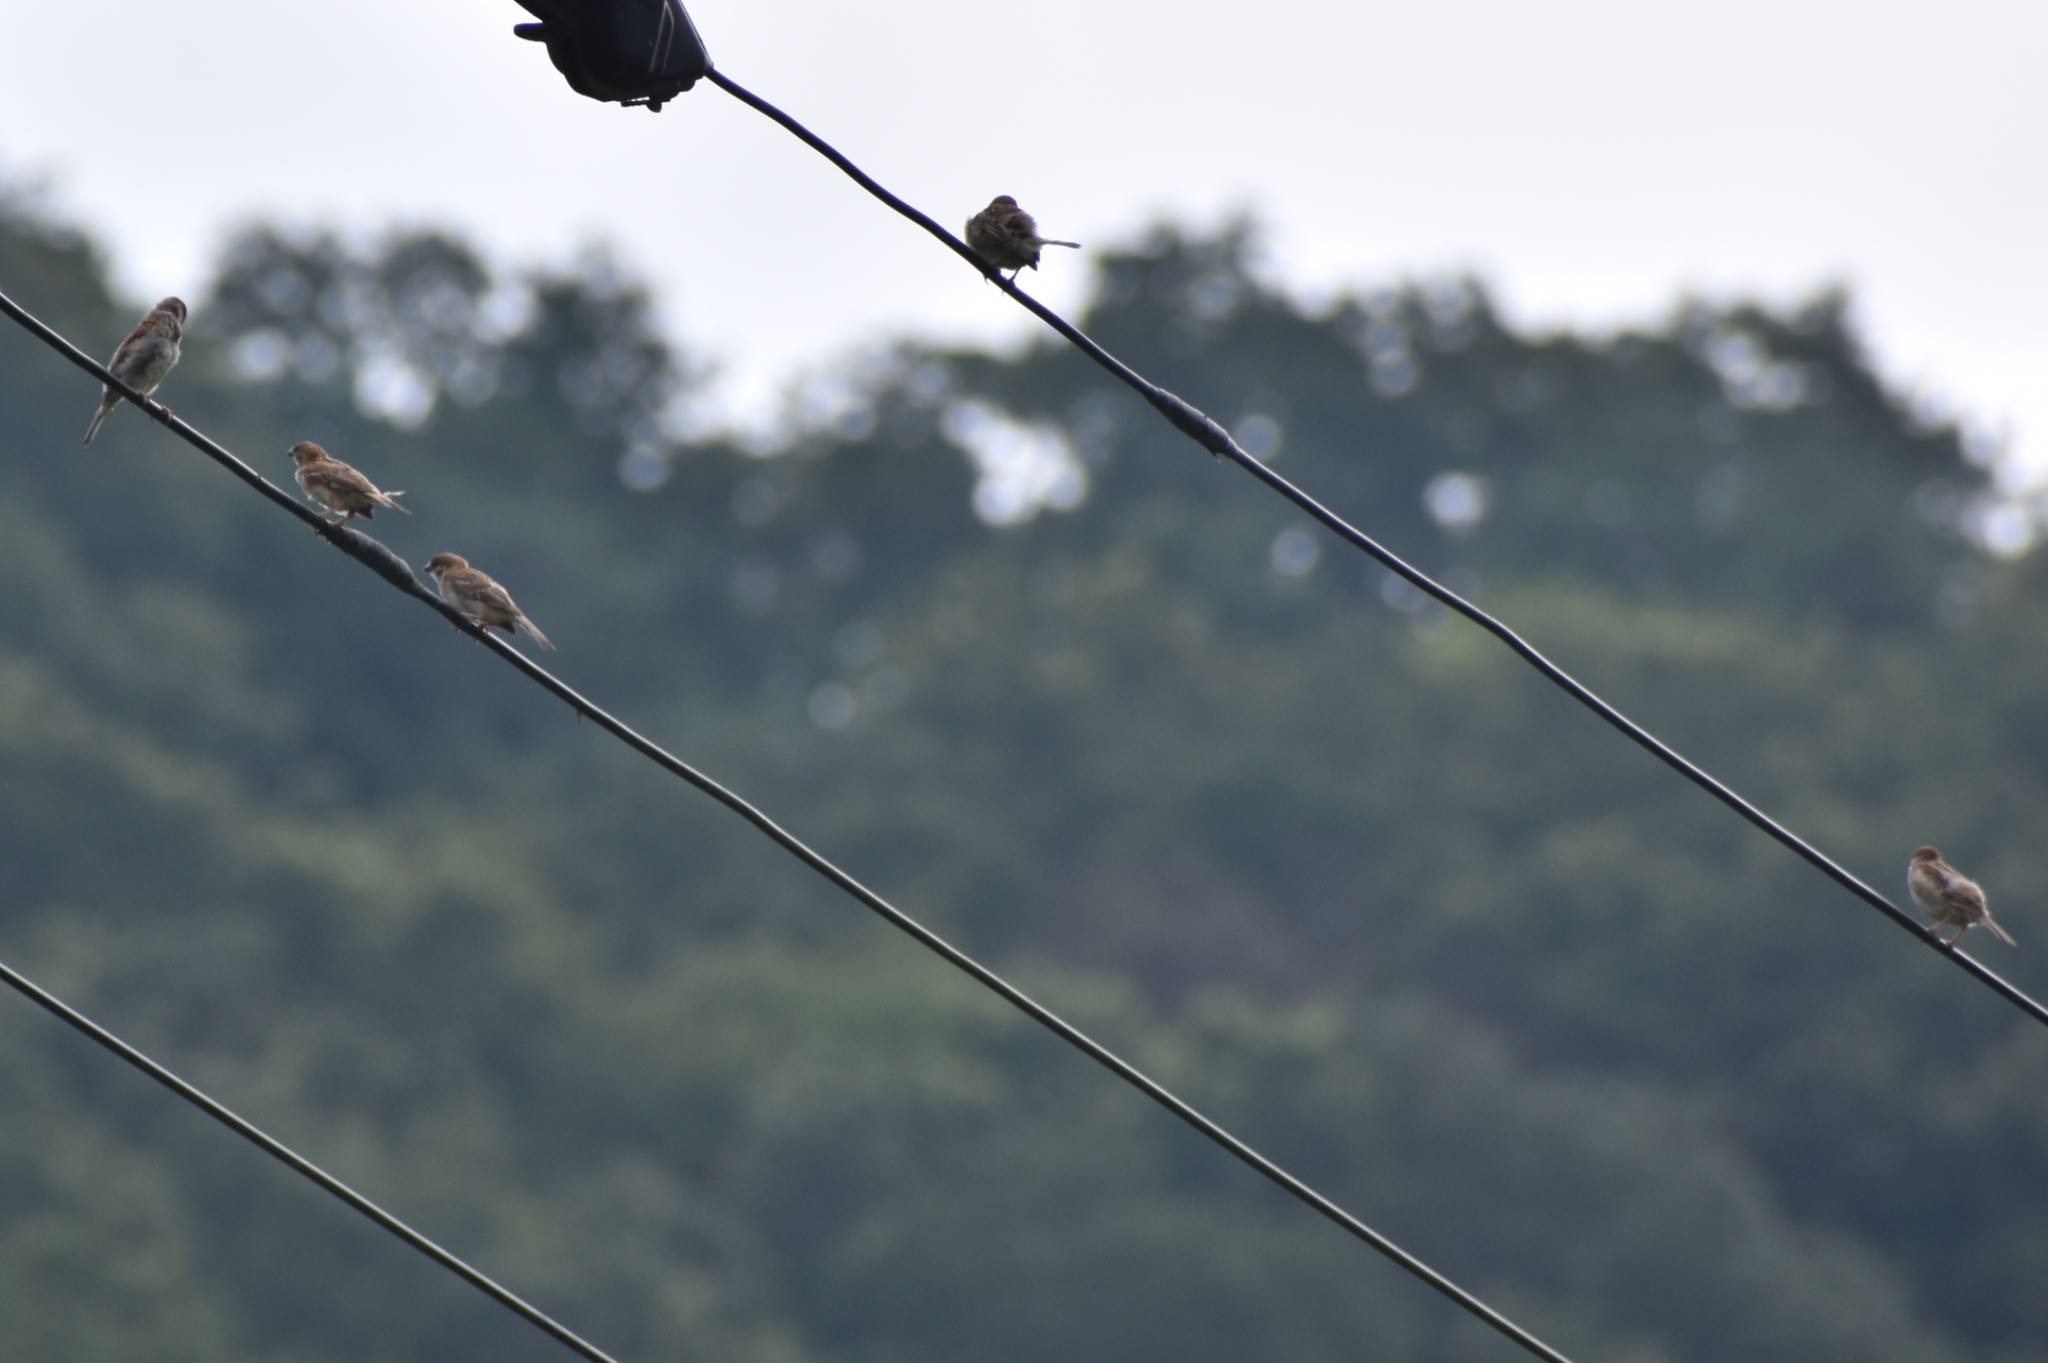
pixel 1007 237
pixel 143 358
pixel 336 486
pixel 1950 896
pixel 477 596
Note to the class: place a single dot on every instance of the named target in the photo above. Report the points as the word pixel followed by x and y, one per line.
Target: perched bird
pixel 1950 896
pixel 144 357
pixel 472 592
pixel 1007 237
pixel 337 487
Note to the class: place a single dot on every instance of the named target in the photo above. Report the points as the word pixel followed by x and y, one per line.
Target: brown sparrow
pixel 1950 896
pixel 1007 237
pixel 335 486
pixel 144 357
pixel 472 592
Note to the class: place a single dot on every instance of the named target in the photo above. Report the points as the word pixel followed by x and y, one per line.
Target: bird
pixel 336 486
pixel 1007 237
pixel 474 593
pixel 144 357
pixel 1950 896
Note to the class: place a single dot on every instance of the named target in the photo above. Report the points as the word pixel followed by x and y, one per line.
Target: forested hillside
pixel 987 632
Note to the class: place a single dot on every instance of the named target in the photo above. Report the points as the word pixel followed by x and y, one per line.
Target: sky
pixel 1591 161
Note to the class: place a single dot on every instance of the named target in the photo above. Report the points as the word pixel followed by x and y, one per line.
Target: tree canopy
pixel 1330 863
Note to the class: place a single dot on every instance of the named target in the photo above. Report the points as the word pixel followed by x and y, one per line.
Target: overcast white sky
pixel 1590 159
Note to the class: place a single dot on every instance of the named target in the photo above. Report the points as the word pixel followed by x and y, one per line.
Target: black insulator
pixel 620 51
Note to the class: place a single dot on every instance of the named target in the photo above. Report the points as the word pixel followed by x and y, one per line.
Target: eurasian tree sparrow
pixel 472 592
pixel 144 357
pixel 1950 896
pixel 1007 237
pixel 335 486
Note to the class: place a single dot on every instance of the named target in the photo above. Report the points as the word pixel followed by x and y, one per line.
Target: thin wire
pixel 396 571
pixel 298 1163
pixel 1210 434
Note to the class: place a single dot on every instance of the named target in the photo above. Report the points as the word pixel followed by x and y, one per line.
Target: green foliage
pixel 1331 864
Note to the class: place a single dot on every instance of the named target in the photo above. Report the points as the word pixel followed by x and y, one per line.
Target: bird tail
pixel 387 502
pixel 534 631
pixel 1048 241
pixel 106 405
pixel 2000 933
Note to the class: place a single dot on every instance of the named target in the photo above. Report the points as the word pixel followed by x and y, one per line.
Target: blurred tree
pixel 1024 659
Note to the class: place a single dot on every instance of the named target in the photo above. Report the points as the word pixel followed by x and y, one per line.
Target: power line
pixel 1211 435
pixel 298 1163
pixel 399 574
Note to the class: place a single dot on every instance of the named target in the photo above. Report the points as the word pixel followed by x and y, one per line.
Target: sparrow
pixel 335 486
pixel 1950 896
pixel 1007 237
pixel 473 592
pixel 144 357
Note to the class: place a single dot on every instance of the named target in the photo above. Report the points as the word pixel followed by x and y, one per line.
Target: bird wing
pixel 339 477
pixel 124 360
pixel 1964 896
pixel 485 593
pixel 147 354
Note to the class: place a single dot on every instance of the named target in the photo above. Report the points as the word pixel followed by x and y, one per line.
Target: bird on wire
pixel 335 486
pixel 143 358
pixel 1007 237
pixel 1950 896
pixel 474 593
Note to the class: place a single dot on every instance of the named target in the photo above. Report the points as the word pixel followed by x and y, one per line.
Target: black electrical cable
pixel 398 573
pixel 1211 436
pixel 298 1163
